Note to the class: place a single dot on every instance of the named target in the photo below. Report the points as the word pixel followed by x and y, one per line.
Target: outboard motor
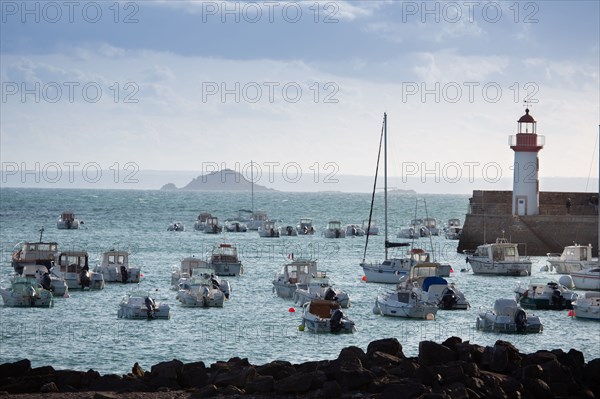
pixel 337 233
pixel 214 282
pixel 335 322
pixel 330 295
pixel 289 230
pixel 520 320
pixel 84 277
pixel 448 299
pixel 46 282
pixel 557 299
pixel 124 274
pixel 150 307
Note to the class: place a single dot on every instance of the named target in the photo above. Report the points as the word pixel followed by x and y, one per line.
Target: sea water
pixel 83 332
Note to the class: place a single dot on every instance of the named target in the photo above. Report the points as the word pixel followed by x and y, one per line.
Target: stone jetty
pixel 453 369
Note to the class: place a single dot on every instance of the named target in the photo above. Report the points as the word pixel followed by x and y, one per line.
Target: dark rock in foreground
pixel 453 369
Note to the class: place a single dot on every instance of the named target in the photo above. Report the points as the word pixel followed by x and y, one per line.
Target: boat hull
pixel 489 321
pixel 227 268
pixel 388 307
pixel 141 313
pixel 586 281
pixel 500 268
pixel 382 274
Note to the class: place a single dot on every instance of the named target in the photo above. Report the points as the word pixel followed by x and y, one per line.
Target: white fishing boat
pixel 256 220
pixel 587 279
pixel 334 230
pixel 319 287
pixel 406 302
pixel 453 229
pixel 305 227
pixel 508 317
pixel 176 226
pixel 544 294
pixel 141 305
pixel 370 228
pixel 573 258
pixel 67 221
pixel 298 272
pixel 203 289
pixel 47 280
pixel 321 316
pixel 73 267
pixel 235 226
pixel 268 229
pixel 224 261
pixel 431 225
pixel 354 230
pixel 500 258
pixel 416 229
pixel 115 267
pixel 187 268
pixel 289 231
pixel 34 253
pixel 212 225
pixel 587 306
pixel 200 223
pixel 26 292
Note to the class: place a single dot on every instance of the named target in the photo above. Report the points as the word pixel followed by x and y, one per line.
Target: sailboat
pixel 391 270
pixel 257 218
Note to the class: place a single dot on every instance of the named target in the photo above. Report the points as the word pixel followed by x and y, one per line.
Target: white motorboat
pixel 431 226
pixel 446 296
pixel 500 258
pixel 587 279
pixel 573 258
pixel 115 268
pixel 26 292
pixel 203 289
pixel 587 306
pixel 268 229
pixel 354 230
pixel 73 267
pixel 544 294
pixel 141 305
pixel 508 317
pixel 212 225
pixel 321 316
pixel 235 226
pixel 334 230
pixel 47 280
pixel 319 287
pixel 176 226
pixel 256 220
pixel 416 229
pixel 453 229
pixel 391 270
pixel 305 227
pixel 406 302
pixel 298 272
pixel 35 253
pixel 187 269
pixel 224 261
pixel 200 223
pixel 370 229
pixel 67 221
pixel 289 231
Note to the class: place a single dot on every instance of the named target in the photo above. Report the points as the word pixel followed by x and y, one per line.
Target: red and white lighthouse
pixel 526 187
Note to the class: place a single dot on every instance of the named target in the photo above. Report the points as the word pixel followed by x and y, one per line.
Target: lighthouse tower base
pixel 550 231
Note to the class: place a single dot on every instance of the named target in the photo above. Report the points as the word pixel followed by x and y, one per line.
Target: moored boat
pixel 73 267
pixel 321 316
pixel 319 287
pixel 141 305
pixel 508 317
pixel 26 292
pixel 297 272
pixel 573 258
pixel 542 293
pixel 587 279
pixel 587 306
pixel 500 258
pixel 114 267
pixel 67 221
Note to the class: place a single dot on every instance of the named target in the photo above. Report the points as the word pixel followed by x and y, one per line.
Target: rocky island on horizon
pixel 223 180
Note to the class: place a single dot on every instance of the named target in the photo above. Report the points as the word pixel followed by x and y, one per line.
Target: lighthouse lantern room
pixel 526 188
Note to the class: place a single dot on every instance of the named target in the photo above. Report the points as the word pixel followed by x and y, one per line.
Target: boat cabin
pixel 67 217
pixel 33 252
pixel 299 271
pixel 577 253
pixel 225 253
pixel 114 258
pixel 454 222
pixel 334 225
pixel 73 261
pixel 500 251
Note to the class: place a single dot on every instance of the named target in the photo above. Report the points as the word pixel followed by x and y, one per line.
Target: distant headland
pixel 223 180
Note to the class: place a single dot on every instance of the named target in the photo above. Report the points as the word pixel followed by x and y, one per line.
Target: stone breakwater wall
pixel 452 369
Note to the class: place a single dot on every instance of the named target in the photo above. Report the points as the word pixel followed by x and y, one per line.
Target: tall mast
pixel 385 207
pixel 252 183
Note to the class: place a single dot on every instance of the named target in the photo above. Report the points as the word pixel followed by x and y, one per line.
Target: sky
pixel 127 89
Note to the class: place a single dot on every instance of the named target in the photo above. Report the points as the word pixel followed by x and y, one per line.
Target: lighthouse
pixel 526 187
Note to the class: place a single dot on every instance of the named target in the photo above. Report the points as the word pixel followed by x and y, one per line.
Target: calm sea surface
pixel 83 331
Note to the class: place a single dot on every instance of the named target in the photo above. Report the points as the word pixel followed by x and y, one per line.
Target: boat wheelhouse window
pixel 583 255
pixel 498 254
pixel 111 259
pixel 121 259
pixel 510 251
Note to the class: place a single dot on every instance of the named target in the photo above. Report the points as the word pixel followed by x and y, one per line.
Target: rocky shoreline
pixel 453 369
